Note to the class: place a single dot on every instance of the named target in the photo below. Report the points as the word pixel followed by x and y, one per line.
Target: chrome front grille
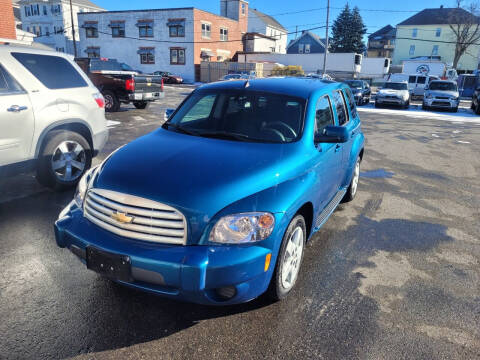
pixel 135 217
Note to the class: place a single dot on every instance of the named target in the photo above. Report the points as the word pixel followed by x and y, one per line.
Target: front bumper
pixel 390 101
pixel 192 273
pixel 441 103
pixel 146 96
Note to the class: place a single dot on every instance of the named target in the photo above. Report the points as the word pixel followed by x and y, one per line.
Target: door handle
pixel 337 148
pixel 17 108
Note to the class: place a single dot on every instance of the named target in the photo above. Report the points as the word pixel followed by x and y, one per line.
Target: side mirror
pixel 332 134
pixel 168 113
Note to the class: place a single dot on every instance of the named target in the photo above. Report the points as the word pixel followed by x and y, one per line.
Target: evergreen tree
pixel 348 31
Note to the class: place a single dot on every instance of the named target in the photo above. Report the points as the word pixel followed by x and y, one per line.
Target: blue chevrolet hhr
pixel 216 206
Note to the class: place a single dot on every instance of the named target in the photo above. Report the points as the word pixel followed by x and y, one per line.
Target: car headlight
pixel 454 98
pixel 83 186
pixel 243 228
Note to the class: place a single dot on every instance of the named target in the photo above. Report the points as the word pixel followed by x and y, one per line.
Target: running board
pixel 329 208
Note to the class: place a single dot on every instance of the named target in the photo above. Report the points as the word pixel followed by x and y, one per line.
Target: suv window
pixel 8 83
pixel 411 79
pixel 52 71
pixel 323 114
pixel 421 80
pixel 351 102
pixel 340 107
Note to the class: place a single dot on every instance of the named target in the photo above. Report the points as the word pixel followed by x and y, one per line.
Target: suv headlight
pixel 243 228
pixel 83 186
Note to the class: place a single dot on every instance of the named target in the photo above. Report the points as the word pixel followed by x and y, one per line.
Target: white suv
pixel 52 118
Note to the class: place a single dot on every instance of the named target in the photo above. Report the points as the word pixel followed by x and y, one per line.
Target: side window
pixel 421 79
pixel 351 102
pixel 201 110
pixel 323 114
pixel 411 79
pixel 41 67
pixel 340 107
pixel 7 83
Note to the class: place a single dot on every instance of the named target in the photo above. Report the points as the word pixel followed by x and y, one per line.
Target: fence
pixel 213 71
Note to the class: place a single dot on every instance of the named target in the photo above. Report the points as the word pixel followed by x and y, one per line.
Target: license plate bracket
pixel 110 265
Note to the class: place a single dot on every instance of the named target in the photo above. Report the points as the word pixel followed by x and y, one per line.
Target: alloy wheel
pixel 292 258
pixel 356 176
pixel 68 160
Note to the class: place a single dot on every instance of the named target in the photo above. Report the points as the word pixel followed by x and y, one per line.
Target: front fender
pixel 357 146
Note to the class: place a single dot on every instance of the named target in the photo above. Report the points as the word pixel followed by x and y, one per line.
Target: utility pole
pixel 326 40
pixel 73 31
pixel 296 30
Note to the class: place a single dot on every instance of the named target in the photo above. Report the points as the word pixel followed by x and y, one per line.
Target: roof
pixel 76 2
pixel 386 31
pixel 437 16
pixel 301 87
pixel 267 19
pixel 315 37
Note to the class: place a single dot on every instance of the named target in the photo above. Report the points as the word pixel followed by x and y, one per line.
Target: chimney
pixel 236 10
pixel 441 6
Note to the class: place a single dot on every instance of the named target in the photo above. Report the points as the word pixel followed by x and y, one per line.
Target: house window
pixel 243 8
pixel 414 32
pixel 223 34
pixel 177 56
pixel 176 27
pixel 307 48
pixel 145 28
pixel 300 48
pixel 56 9
pixel 438 32
pixel 91 29
pixel 147 55
pixel 28 28
pixel 435 50
pixel 34 29
pixel 44 10
pixel 206 29
pixel 60 49
pixel 118 28
pixel 27 10
pixel 412 50
pixel 93 52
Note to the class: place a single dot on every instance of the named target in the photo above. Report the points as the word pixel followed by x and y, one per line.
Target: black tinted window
pixel 340 107
pixel 421 80
pixel 351 103
pixel 7 82
pixel 53 71
pixel 323 114
pixel 411 79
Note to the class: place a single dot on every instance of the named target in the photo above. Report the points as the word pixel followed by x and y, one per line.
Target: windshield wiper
pixel 225 135
pixel 180 129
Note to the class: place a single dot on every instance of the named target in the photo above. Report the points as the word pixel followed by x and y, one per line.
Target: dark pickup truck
pixel 118 86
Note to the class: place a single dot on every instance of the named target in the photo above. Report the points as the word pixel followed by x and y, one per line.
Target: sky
pixel 305 14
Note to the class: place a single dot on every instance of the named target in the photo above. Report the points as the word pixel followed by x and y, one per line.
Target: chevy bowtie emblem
pixel 122 217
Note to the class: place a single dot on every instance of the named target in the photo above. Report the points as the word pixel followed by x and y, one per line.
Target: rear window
pixel 106 65
pixel 421 80
pixel 351 103
pixel 52 71
pixel 340 106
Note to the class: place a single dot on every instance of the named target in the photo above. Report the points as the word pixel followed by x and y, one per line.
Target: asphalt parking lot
pixel 393 275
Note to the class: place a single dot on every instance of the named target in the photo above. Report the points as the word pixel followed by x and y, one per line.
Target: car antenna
pixel 247 84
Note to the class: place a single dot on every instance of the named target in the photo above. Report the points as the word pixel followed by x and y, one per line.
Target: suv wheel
pixel 289 259
pixel 111 101
pixel 63 159
pixel 352 188
pixel 141 104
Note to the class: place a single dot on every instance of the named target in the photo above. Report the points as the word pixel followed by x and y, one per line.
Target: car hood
pixel 198 176
pixel 442 93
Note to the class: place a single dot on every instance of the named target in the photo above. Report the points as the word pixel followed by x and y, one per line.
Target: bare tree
pixel 465 25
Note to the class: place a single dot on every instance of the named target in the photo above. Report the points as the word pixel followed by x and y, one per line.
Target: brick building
pixel 7 20
pixel 174 39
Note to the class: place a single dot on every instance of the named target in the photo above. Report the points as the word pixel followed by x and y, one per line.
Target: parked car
pixel 417 83
pixel 441 94
pixel 119 86
pixel 215 206
pixel 393 93
pixel 126 67
pixel 475 105
pixel 361 91
pixel 53 123
pixel 237 76
pixel 169 78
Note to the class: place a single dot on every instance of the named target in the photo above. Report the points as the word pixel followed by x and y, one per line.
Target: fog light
pixel 226 292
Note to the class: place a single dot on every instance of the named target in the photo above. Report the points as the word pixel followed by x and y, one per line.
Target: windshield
pixel 395 86
pixel 240 115
pixel 109 65
pixel 445 86
pixel 355 84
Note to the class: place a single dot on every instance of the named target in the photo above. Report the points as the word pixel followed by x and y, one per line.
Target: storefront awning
pixel 207 53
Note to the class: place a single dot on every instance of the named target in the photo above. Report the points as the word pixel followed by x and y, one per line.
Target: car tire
pixel 112 104
pixel 477 109
pixel 377 105
pixel 289 259
pixel 63 147
pixel 141 104
pixel 353 187
pixel 472 106
pixel 424 107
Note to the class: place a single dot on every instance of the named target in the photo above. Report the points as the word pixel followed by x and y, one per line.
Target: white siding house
pixel 261 23
pixel 131 48
pixel 50 21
